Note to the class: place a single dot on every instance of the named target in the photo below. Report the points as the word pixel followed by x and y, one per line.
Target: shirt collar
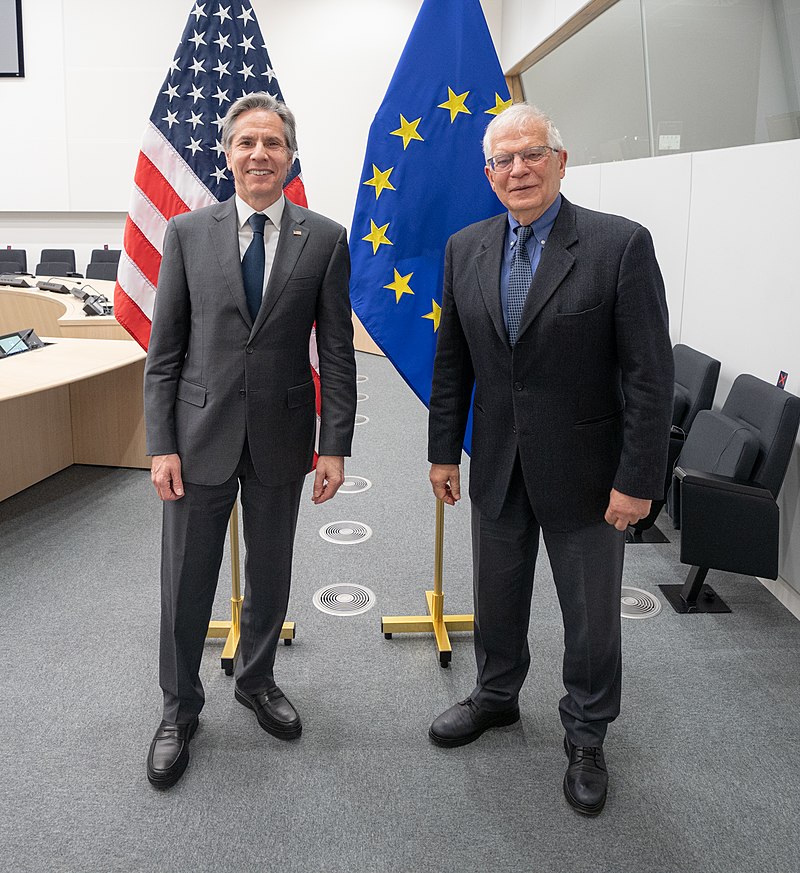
pixel 543 224
pixel 274 211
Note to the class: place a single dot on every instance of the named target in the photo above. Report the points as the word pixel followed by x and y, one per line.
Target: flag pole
pixel 230 630
pixel 435 621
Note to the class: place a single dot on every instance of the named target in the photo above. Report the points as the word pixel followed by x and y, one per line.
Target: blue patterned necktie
pixel 519 281
pixel 253 265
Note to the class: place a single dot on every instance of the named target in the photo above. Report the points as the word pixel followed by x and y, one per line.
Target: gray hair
pixel 265 101
pixel 516 119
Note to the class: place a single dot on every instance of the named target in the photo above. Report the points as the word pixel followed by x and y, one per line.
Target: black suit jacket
pixel 585 396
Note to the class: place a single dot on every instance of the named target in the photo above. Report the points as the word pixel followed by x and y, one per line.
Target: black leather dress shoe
pixel 586 779
pixel 466 721
pixel 169 753
pixel 274 712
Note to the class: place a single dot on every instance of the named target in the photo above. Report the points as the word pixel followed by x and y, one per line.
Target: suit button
pixel 513 428
pixel 242 392
pixel 249 350
pixel 518 386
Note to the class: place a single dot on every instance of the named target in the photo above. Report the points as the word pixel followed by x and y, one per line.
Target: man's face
pixel 258 157
pixel 527 191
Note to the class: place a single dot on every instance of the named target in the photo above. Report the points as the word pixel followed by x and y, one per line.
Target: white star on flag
pixel 195 120
pixel 198 12
pixel 224 13
pixel 171 118
pixel 222 96
pixel 197 39
pixel 246 71
pixel 194 145
pixel 221 68
pixel 171 91
pixel 219 174
pixel 196 93
pixel 247 15
pixel 246 44
pixel 197 66
pixel 222 41
pixel 269 72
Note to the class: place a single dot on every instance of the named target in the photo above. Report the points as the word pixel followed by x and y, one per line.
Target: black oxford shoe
pixel 274 712
pixel 586 779
pixel 466 721
pixel 169 753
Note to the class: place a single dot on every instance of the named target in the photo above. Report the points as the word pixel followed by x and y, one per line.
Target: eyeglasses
pixel 530 157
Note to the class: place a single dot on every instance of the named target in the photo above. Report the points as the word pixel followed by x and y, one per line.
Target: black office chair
pixel 725 487
pixel 13 261
pixel 105 256
pixel 53 268
pixel 101 270
pixel 60 256
pixel 696 377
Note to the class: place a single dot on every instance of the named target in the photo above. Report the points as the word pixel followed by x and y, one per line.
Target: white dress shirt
pixel 272 229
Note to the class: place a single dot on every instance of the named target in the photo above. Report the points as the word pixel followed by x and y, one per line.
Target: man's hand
pixel 446 482
pixel 165 474
pixel 329 476
pixel 624 510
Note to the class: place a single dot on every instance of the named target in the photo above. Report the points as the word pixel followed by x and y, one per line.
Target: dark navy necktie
pixel 519 281
pixel 253 265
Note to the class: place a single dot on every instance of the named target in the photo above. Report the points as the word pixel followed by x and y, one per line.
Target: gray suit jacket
pixel 213 376
pixel 585 396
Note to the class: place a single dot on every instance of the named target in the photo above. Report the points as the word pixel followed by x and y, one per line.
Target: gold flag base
pixel 230 630
pixel 435 622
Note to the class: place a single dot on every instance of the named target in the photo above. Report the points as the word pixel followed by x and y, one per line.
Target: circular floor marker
pixel 354 485
pixel 345 533
pixel 637 603
pixel 344 599
pixel 361 419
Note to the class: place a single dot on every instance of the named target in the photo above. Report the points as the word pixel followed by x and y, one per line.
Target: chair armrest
pixel 722 483
pixel 727 524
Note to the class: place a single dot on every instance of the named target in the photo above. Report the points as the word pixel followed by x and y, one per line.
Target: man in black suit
pixel 230 405
pixel 556 316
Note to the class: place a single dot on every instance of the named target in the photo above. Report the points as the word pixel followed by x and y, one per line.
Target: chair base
pixel 650 535
pixel 707 600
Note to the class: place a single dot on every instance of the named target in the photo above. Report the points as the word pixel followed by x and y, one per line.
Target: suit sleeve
pixel 646 363
pixel 453 378
pixel 169 337
pixel 337 366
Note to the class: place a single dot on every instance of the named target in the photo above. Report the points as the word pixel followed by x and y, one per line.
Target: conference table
pixel 78 400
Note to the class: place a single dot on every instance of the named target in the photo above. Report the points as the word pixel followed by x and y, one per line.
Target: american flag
pixel 181 163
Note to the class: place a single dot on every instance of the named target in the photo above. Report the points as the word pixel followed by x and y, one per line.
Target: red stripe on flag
pixel 296 192
pixel 157 189
pixel 128 314
pixel 141 251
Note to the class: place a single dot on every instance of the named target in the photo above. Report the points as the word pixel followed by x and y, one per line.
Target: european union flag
pixel 423 180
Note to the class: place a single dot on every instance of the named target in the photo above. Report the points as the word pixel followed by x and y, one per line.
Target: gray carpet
pixel 704 759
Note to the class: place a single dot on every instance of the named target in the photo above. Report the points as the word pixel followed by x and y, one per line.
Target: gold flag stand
pixel 435 622
pixel 229 630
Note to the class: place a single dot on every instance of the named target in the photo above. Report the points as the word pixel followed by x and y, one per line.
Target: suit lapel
pixel 293 237
pixel 487 263
pixel 224 230
pixel 555 263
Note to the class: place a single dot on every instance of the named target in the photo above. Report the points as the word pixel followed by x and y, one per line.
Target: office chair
pixel 725 487
pixel 696 377
pixel 13 261
pixel 59 255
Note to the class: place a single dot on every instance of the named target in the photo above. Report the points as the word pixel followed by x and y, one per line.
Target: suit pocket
pixel 600 419
pixel 299 395
pixel 191 392
pixel 585 311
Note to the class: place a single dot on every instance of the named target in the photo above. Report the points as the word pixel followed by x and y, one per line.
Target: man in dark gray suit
pixel 230 404
pixel 556 316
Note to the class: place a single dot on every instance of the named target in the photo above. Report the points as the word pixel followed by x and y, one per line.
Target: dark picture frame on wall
pixel 11 54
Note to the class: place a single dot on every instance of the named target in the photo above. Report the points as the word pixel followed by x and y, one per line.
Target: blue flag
pixel 423 180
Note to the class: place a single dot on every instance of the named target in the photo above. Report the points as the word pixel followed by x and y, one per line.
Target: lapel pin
pixel 297 232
